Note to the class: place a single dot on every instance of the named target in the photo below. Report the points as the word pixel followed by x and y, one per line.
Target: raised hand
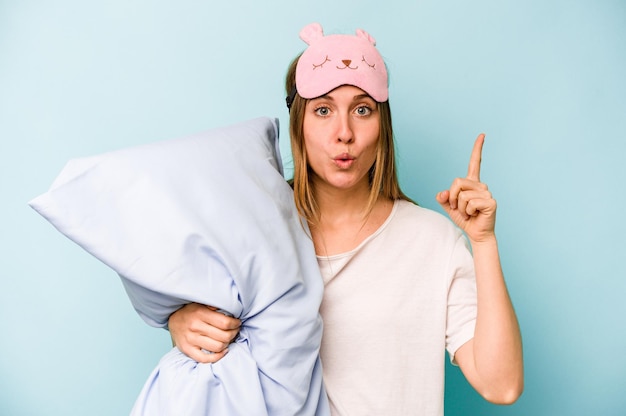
pixel 492 361
pixel 469 203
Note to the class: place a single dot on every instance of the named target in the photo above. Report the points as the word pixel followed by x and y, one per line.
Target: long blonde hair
pixel 382 176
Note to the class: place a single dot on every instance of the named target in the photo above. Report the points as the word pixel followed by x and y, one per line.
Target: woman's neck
pixel 340 204
pixel 345 220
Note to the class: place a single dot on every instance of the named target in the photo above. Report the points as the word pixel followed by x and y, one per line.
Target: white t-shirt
pixel 391 307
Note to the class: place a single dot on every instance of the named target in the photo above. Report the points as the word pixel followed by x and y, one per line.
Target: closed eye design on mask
pixel 373 66
pixel 322 64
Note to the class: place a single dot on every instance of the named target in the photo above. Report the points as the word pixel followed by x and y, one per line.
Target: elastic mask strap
pixel 291 97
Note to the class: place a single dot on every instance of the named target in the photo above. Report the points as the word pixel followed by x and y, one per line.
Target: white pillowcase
pixel 207 218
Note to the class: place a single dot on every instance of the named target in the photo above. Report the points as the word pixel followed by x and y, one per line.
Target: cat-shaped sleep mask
pixel 335 60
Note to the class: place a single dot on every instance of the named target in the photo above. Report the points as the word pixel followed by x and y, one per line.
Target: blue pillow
pixel 207 218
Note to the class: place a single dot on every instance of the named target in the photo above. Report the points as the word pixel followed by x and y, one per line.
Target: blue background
pixel 546 80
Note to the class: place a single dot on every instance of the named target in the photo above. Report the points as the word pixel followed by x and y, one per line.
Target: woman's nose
pixel 344 133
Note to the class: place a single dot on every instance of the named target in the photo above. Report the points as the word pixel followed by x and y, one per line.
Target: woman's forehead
pixel 345 92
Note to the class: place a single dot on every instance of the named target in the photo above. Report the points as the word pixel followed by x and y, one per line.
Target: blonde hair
pixel 383 177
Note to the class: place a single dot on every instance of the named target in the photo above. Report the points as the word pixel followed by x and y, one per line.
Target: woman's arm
pixel 202 333
pixel 492 361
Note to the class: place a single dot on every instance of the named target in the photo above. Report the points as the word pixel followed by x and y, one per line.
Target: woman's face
pixel 341 132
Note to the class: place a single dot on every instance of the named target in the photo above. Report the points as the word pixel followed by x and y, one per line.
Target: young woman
pixel 401 285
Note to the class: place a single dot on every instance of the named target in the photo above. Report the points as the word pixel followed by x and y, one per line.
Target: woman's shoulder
pixel 413 211
pixel 411 215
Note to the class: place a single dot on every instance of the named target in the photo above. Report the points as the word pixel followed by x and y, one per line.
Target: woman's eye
pixel 322 111
pixel 363 110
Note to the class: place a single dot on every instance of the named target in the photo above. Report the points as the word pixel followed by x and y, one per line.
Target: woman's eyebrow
pixel 361 96
pixel 324 97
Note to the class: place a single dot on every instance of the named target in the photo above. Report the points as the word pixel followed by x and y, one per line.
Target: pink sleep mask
pixel 335 60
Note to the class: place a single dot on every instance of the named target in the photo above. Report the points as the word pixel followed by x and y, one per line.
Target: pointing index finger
pixel 473 171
